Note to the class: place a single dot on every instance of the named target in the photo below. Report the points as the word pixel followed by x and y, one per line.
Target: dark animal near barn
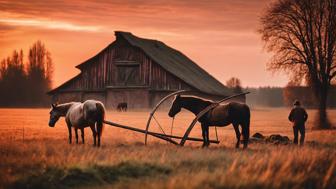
pixel 222 115
pixel 122 107
pixel 79 115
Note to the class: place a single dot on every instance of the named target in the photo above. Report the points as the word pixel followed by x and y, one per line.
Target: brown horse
pixel 122 107
pixel 79 115
pixel 222 115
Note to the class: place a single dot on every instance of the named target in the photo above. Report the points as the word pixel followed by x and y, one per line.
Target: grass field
pixel 33 155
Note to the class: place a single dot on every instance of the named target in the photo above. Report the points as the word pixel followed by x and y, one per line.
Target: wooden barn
pixel 139 72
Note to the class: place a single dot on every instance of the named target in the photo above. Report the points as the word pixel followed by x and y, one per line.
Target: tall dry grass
pixel 36 156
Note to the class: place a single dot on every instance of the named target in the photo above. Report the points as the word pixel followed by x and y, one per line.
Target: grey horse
pixel 79 115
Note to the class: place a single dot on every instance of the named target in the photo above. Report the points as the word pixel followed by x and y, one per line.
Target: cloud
pixel 6 28
pixel 159 14
pixel 48 24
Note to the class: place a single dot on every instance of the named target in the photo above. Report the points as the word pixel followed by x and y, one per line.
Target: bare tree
pixel 302 36
pixel 235 84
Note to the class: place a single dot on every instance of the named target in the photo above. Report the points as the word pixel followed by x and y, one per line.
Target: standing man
pixel 298 116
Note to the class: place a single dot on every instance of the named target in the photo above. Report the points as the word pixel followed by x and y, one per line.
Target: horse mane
pixel 194 104
pixel 197 99
pixel 63 108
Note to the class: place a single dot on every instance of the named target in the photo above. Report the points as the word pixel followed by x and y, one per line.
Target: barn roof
pixel 64 84
pixel 177 64
pixel 174 62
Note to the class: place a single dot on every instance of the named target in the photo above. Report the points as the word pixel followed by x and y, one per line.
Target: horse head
pixel 55 114
pixel 175 107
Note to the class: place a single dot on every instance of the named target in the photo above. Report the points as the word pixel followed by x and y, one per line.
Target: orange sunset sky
pixel 221 36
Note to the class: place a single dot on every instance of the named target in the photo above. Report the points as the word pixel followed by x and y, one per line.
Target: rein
pixel 216 133
pixel 171 126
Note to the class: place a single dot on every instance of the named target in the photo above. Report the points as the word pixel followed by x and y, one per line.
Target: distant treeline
pixel 280 97
pixel 25 81
pixel 265 96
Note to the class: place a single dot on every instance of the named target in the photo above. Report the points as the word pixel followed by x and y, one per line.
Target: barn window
pixel 128 73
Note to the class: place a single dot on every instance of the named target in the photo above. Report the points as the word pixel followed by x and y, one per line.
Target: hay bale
pixel 273 139
pixel 258 135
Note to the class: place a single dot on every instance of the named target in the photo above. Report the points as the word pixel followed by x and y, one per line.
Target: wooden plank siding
pixel 98 79
pixel 102 71
pixel 126 71
pixel 165 81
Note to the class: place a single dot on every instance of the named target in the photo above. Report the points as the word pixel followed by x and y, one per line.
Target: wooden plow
pixel 166 137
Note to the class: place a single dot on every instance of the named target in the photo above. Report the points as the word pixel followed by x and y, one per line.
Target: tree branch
pixel 332 76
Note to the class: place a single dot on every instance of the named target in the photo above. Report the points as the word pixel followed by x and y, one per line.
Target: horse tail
pixel 248 118
pixel 247 122
pixel 246 125
pixel 100 116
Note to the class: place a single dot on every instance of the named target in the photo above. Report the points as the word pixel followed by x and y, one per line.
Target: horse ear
pixel 53 105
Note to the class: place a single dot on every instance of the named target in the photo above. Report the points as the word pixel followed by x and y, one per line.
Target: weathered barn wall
pixel 67 97
pixel 156 96
pixel 102 70
pixel 163 80
pixel 123 73
pixel 100 96
pixel 135 98
pixel 102 73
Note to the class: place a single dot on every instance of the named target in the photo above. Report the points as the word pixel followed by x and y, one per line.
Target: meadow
pixel 33 155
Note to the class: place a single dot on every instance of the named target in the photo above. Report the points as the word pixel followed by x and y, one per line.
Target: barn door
pixel 128 75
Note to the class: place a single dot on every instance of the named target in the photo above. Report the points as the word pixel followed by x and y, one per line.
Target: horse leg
pixel 236 128
pixel 207 135
pixel 70 134
pixel 204 134
pixel 82 134
pixel 76 133
pixel 99 126
pixel 94 134
pixel 246 133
